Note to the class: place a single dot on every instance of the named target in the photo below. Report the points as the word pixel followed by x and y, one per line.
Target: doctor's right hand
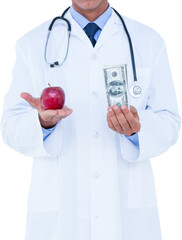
pixel 47 118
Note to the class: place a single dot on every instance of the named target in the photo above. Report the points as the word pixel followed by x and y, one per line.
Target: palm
pixel 47 115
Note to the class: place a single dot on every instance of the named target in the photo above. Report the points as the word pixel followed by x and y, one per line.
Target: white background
pixel 18 17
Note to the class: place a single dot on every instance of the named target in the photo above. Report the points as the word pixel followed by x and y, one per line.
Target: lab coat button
pixel 94 56
pixel 96 175
pixel 95 134
pixel 94 94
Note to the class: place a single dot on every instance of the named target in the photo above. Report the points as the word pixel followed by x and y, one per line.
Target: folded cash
pixel 116 83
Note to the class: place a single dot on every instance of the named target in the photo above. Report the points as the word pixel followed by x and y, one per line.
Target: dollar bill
pixel 116 83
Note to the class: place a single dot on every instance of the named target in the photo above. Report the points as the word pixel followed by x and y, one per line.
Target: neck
pixel 91 14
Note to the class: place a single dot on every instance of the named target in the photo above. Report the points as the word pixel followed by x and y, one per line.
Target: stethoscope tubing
pixel 57 64
pixel 130 45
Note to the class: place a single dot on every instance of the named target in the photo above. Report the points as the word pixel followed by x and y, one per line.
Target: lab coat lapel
pixel 77 31
pixel 110 28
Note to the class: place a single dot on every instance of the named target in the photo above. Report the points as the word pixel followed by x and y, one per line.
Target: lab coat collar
pixel 100 21
pixel 110 28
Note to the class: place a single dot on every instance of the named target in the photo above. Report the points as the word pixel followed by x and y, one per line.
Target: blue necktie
pixel 90 30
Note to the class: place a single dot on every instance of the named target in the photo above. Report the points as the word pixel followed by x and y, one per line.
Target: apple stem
pixel 49 84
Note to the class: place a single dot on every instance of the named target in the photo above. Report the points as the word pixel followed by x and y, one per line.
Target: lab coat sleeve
pixel 20 124
pixel 160 120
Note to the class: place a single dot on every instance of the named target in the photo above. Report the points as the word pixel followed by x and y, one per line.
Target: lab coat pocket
pixel 141 187
pixel 143 80
pixel 44 190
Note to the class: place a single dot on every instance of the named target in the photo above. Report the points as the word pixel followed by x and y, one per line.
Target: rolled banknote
pixel 116 83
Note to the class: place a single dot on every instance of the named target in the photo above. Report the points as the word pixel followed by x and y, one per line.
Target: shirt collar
pixel 82 21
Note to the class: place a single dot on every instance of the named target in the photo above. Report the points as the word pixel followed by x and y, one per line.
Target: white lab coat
pixel 89 182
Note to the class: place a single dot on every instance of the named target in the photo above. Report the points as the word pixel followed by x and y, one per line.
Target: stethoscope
pixel 135 90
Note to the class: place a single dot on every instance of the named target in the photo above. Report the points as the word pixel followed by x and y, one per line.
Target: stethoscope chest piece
pixel 136 91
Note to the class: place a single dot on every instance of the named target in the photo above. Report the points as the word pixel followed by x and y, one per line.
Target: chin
pixel 88 4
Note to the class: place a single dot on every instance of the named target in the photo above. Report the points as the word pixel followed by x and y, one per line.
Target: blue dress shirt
pixel 100 21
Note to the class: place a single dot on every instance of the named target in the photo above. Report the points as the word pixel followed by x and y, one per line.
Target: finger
pixel 122 120
pixel 133 122
pixel 66 108
pixel 64 112
pixel 110 124
pixel 114 120
pixel 134 112
pixel 31 100
pixel 133 109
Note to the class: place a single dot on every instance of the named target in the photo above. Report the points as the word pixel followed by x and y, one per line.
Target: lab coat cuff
pixel 136 152
pixel 159 131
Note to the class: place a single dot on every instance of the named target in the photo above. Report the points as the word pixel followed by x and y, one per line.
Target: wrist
pixel 47 124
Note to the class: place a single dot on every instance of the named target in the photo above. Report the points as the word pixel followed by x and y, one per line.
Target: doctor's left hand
pixel 47 118
pixel 122 120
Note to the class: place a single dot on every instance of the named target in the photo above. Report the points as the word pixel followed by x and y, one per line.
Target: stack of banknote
pixel 116 83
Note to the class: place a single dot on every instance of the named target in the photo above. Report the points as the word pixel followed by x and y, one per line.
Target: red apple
pixel 52 98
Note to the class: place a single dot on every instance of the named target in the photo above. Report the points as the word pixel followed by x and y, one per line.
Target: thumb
pixel 133 109
pixel 31 100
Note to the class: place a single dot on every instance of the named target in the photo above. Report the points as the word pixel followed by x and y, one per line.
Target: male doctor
pixel 91 176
